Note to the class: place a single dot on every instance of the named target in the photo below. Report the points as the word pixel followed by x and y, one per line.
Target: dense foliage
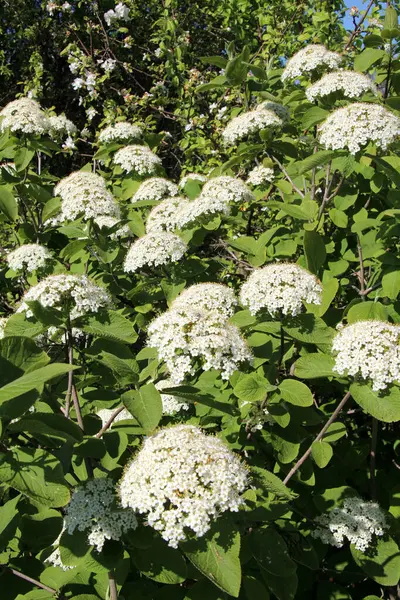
pixel 200 370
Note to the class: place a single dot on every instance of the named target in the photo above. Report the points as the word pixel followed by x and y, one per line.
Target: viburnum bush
pixel 200 376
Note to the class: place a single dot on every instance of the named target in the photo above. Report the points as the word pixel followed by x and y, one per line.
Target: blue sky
pixel 348 21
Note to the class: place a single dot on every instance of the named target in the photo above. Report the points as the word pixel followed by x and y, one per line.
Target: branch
pixel 112 586
pixel 110 421
pixel 372 454
pixel 358 27
pixel 325 198
pixel 282 168
pixel 30 579
pixel 317 439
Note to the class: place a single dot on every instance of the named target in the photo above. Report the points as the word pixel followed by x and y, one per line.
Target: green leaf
pixel 8 204
pixel 322 453
pixel 57 427
pixel 145 405
pixel 384 406
pixel 391 284
pixel 270 551
pixel 314 366
pixel 254 589
pixel 366 59
pixel 160 562
pixel 218 61
pixel 365 311
pixel 252 388
pixel 216 555
pixel 34 380
pixel 309 329
pixel 35 473
pixel 41 529
pixel 318 159
pixel 384 564
pixel 314 249
pixel 329 291
pixel 9 518
pixel 284 588
pixel 339 218
pixel 217 82
pixel 391 20
pixel 271 483
pixel 313 116
pixel 51 208
pixel 22 158
pixel 236 69
pixel 111 324
pixel 296 392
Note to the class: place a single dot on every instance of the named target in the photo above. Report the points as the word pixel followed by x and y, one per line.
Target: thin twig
pixel 282 168
pixel 372 454
pixel 30 579
pixel 358 27
pixel 361 277
pixel 321 434
pixel 112 586
pixel 110 421
pixel 325 197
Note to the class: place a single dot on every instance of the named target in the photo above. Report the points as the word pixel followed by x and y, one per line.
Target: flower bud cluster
pixel 29 257
pixel 154 249
pixel 24 116
pixel 155 188
pixel 165 216
pixel 75 293
pixel 357 520
pixel 120 132
pixel 104 221
pixel 139 159
pixel 94 507
pixel 280 288
pixel 249 123
pixel 349 83
pixel 194 177
pixel 213 297
pixel 311 59
pixel 182 480
pixel 260 175
pixel 369 349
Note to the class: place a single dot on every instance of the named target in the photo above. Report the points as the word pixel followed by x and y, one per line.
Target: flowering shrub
pixel 199 304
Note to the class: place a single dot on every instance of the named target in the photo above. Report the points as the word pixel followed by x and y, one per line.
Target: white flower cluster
pixel 228 189
pixel 170 404
pixel 108 222
pixel 370 349
pixel 155 188
pixel 94 507
pixel 105 414
pixel 137 158
pixel 213 297
pixel 280 288
pixel 165 216
pixel 183 479
pixel 357 521
pixel 121 12
pixel 59 125
pixel 25 116
pixel 314 57
pixel 281 111
pixel 249 123
pixel 3 323
pixel 29 257
pixel 260 175
pixel 84 193
pixel 154 249
pixel 76 293
pixel 120 132
pixel 357 124
pixel 350 83
pixel 203 206
pixel 194 177
pixel 190 337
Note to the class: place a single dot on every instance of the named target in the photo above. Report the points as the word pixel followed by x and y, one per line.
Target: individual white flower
pixel 108 222
pixel 75 293
pixel 24 116
pixel 155 188
pixel 74 66
pixel 354 11
pixel 170 404
pixel 182 480
pixel 90 81
pixel 157 52
pixel 310 59
pixel 281 111
pixel 350 83
pixel 369 349
pixel 249 123
pixel 212 297
pixel 106 413
pixel 260 175
pixel 120 132
pixel 165 216
pixel 78 83
pixel 202 209
pixel 122 11
pixel 280 288
pixel 3 323
pixel 194 177
pixel 228 189
pixel 357 520
pixel 221 112
pixel 69 144
pixel 137 158
pixel 91 113
pixel 29 257
pixel 375 23
pixel 153 250
pixel 110 17
pixel 66 7
pixel 190 337
pixel 59 125
pixel 94 508
pixel 84 193
pixel 354 126
pixel 51 7
pixel 107 65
